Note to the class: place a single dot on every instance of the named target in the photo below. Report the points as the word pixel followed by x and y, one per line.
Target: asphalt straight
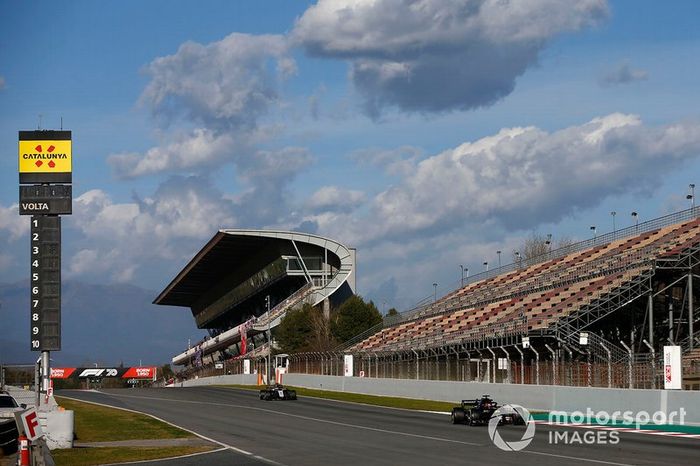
pixel 312 431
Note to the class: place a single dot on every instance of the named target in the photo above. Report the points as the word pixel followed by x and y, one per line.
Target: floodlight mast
pixel 269 341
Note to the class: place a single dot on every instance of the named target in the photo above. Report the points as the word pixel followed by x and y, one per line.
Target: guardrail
pixel 622 233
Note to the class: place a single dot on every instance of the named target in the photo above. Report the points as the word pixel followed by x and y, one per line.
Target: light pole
pixel 466 269
pixel 462 268
pixel 635 216
pixel 434 292
pixel 499 258
pixel 486 266
pixel 519 258
pixel 548 243
pixel 269 340
pixel 595 231
pixel 691 196
pixel 613 214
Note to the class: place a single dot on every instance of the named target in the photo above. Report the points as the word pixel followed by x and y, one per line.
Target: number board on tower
pixel 45 283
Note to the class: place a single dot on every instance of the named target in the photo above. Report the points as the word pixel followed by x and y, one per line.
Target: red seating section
pixel 542 293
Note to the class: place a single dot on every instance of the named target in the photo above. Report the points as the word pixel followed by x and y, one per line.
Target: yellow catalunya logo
pixel 45 156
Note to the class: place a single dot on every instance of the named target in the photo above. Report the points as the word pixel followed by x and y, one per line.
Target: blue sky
pixel 426 134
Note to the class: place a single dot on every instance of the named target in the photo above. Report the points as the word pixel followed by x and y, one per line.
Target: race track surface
pixel 312 431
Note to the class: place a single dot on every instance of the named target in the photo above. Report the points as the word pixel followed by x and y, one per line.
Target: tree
pixel 321 338
pixel 392 312
pixel 537 245
pixel 166 371
pixel 294 332
pixel 353 317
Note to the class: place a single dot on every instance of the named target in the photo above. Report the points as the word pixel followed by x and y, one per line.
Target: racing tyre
pixel 458 416
pixel 292 394
pixel 470 418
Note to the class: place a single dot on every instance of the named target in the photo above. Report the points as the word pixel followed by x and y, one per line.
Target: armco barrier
pixel 537 397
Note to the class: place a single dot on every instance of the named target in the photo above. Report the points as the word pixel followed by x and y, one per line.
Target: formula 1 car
pixel 481 410
pixel 277 392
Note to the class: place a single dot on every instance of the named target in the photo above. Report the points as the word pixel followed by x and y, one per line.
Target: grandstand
pixel 243 282
pixel 630 292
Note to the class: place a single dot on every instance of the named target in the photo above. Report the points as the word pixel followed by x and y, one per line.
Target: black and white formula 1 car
pixel 481 410
pixel 277 392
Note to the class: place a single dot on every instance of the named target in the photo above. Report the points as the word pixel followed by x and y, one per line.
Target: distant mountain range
pixel 104 324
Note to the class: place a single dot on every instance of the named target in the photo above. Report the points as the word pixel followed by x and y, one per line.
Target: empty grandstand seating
pixel 537 295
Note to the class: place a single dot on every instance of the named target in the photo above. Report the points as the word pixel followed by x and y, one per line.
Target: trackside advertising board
pixel 348 365
pixel 144 373
pixel 45 156
pixel 672 367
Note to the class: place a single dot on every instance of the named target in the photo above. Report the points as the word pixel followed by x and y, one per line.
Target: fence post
pixel 522 364
pixel 478 368
pixel 493 358
pixel 653 363
pixel 629 365
pixel 554 364
pixel 417 365
pixel 507 365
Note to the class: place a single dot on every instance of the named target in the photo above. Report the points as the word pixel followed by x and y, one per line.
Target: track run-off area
pixel 313 431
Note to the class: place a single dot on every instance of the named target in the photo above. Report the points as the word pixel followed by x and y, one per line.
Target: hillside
pixel 106 324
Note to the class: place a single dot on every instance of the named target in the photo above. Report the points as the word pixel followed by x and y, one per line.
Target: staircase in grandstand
pixel 258 351
pixel 616 298
pixel 275 314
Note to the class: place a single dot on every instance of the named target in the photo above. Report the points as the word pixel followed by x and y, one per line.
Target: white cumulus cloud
pixel 436 55
pixel 335 199
pixel 227 84
pixel 202 148
pixel 519 178
pixel 14 225
pixel 623 74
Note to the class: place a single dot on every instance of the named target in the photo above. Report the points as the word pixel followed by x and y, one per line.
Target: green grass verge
pixel 94 423
pixel 388 401
pixel 102 455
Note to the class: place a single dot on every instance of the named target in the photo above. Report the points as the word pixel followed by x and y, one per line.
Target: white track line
pixel 169 458
pixel 624 430
pixel 224 387
pixel 575 458
pixel 308 418
pixel 586 460
pixel 224 445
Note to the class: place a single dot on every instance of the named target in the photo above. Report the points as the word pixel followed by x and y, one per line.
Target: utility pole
pixel 269 340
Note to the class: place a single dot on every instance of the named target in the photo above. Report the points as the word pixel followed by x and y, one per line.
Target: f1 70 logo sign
pixel 99 373
pixel 148 372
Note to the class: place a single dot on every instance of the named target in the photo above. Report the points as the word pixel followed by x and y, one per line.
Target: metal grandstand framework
pixel 636 284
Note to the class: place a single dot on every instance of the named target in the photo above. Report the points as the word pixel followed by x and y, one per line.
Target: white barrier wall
pixel 536 397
